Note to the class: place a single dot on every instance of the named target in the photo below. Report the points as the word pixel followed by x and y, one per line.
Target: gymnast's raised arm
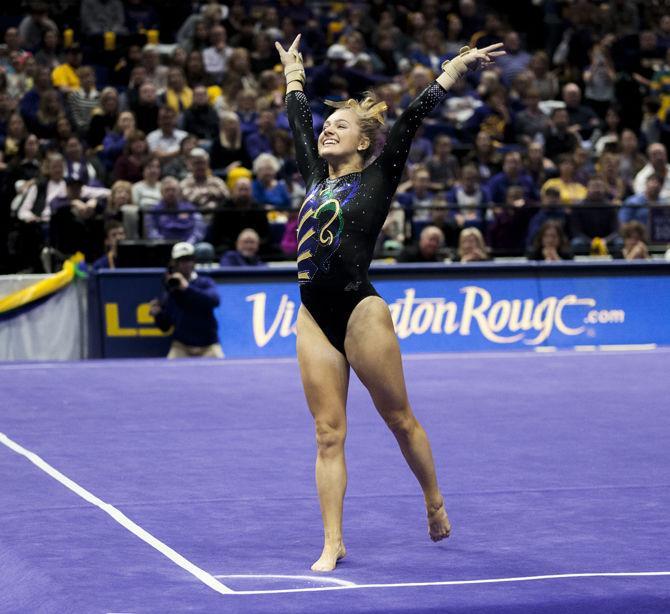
pixel 300 114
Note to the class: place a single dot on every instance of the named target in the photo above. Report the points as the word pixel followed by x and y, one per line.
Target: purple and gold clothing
pixel 340 218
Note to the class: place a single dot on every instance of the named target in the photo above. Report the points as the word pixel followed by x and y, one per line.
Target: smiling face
pixel 341 136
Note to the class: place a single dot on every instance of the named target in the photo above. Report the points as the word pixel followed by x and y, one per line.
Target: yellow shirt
pixel 571 193
pixel 179 102
pixel 65 76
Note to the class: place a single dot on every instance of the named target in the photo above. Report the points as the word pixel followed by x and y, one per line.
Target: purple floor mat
pixel 552 465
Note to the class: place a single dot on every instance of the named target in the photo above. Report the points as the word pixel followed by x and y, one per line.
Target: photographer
pixel 188 304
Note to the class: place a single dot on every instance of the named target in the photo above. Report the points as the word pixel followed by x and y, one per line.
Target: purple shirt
pixel 186 224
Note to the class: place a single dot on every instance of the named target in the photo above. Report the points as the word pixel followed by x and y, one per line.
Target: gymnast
pixel 342 321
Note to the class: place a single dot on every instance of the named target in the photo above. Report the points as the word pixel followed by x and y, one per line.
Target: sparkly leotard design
pixel 320 225
pixel 341 218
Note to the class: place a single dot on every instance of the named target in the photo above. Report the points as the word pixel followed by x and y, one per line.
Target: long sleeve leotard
pixel 340 218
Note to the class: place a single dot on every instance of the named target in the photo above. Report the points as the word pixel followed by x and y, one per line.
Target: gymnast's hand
pixel 468 59
pixel 474 59
pixel 291 55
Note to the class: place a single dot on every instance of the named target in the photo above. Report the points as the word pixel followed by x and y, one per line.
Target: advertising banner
pixel 485 312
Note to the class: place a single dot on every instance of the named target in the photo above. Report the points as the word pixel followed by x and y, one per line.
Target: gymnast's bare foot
pixel 329 557
pixel 439 526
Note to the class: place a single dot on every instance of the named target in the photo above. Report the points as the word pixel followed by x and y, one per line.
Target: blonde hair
pixel 370 112
pixel 471 231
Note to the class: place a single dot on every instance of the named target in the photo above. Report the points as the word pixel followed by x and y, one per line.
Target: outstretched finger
pixel 492 47
pixel 295 44
pixel 279 48
pixel 496 54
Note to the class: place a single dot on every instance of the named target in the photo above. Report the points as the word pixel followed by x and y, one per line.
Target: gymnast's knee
pixel 401 423
pixel 330 438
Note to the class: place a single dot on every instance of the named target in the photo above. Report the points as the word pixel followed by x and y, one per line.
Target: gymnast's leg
pixel 374 354
pixel 325 378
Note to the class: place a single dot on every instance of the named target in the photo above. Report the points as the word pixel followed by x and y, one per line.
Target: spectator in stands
pixel 227 150
pixel 147 193
pixel 532 123
pixel 608 167
pixel 100 16
pixel 239 212
pixel 582 117
pixel 130 163
pixel 631 161
pixel 267 189
pixel 443 166
pixel 120 207
pixel 115 140
pixel 484 156
pixel 560 138
pixel 64 76
pixel 103 117
pixel 200 118
pixel 471 246
pixel 636 207
pixel 146 108
pixel 571 191
pixel 513 174
pixel 190 34
pixel 114 232
pixel 154 71
pixel 30 102
pixel 493 117
pixel 657 165
pixel 178 166
pixel 515 61
pixel 49 55
pixel 35 25
pixel 36 204
pixel 544 80
pixel 178 95
pixel 238 74
pixel 550 243
pixel 508 228
pixel 217 55
pixel 245 252
pixel 77 164
pixel 200 187
pixel 173 218
pixel 165 140
pixel 599 78
pixel 259 140
pixel 24 167
pixel 416 196
pixel 188 305
pixel 43 124
pixel 83 99
pixel 607 138
pixel 592 219
pixel 537 165
pixel 634 241
pixel 431 241
pixel 550 209
pixel 76 223
pixel 468 199
pixel 12 139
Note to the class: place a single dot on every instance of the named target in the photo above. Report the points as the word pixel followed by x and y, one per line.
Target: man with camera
pixel 188 305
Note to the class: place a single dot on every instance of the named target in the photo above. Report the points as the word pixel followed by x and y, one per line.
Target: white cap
pixel 339 52
pixel 199 152
pixel 182 250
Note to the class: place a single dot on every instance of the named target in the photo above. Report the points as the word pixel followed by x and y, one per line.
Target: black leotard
pixel 340 219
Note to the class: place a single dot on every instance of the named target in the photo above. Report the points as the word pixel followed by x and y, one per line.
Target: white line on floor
pixel 352 586
pixel 119 516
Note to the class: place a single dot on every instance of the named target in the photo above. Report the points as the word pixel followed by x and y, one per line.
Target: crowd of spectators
pixel 147 120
